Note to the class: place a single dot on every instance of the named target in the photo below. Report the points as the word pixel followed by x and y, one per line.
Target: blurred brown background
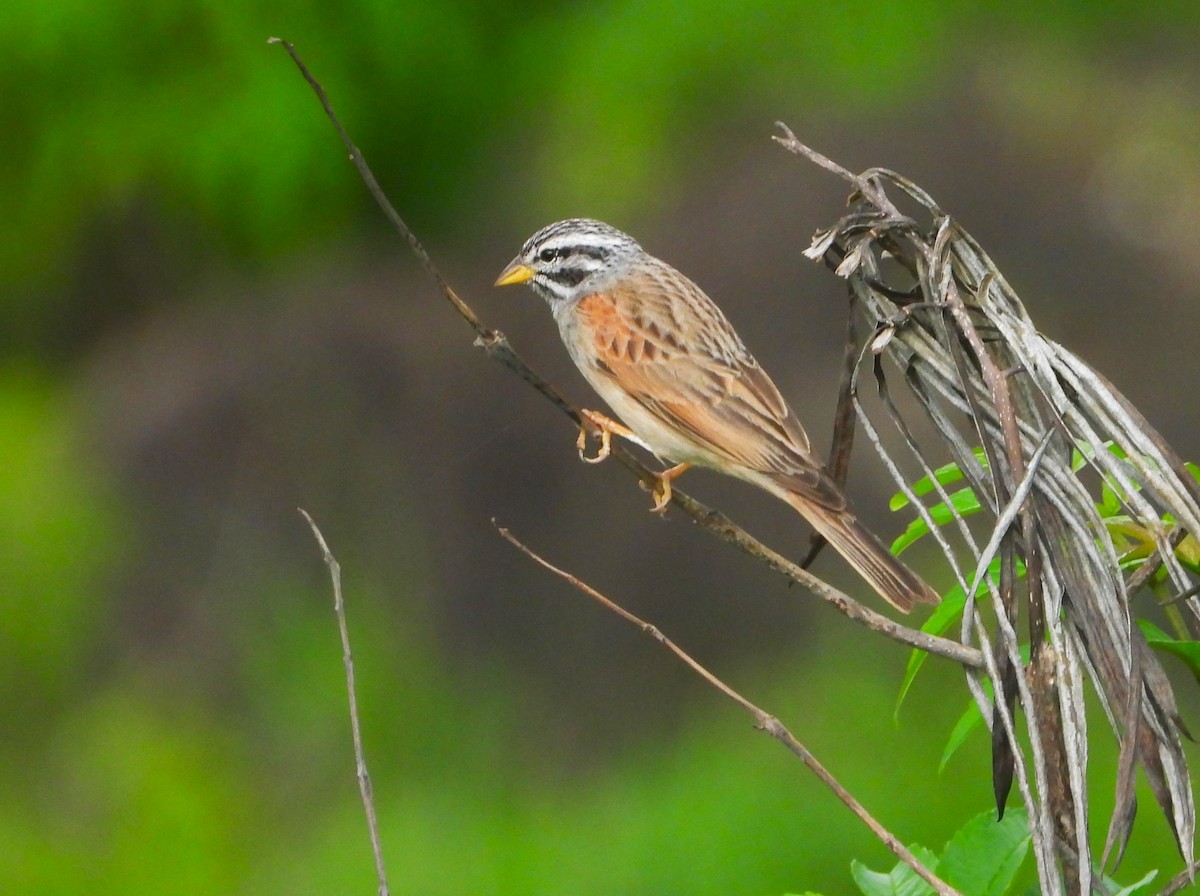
pixel 208 325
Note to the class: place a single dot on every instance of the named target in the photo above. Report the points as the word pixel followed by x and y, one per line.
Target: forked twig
pixel 496 345
pixel 763 720
pixel 360 762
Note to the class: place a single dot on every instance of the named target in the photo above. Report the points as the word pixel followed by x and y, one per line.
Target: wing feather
pixel 668 346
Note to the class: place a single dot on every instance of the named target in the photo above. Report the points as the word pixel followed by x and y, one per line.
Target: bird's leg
pixel 662 491
pixel 605 427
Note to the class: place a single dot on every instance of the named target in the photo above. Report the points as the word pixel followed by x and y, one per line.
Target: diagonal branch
pixel 763 720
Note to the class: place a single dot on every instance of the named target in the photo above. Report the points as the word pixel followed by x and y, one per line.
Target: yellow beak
pixel 516 272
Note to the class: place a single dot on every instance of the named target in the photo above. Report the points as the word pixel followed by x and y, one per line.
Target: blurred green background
pixel 206 324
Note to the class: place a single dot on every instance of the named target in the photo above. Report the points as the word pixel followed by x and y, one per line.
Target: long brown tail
pixel 895 582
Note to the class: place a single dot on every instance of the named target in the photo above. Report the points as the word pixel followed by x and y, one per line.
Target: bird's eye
pixel 548 255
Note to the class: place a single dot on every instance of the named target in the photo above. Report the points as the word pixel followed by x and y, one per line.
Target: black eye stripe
pixel 569 276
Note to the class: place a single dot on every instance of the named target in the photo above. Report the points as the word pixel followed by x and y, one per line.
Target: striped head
pixel 570 259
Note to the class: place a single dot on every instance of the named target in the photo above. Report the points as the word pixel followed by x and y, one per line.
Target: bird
pixel 669 364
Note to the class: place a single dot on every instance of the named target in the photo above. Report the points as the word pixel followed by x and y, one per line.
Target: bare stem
pixel 763 720
pixel 360 762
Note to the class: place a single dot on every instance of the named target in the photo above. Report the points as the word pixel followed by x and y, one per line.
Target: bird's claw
pixel 662 487
pixel 601 453
pixel 604 427
pixel 661 494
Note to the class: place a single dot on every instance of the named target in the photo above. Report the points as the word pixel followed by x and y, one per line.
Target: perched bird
pixel 665 359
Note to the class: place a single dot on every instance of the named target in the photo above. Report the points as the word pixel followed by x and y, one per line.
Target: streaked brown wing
pixel 667 345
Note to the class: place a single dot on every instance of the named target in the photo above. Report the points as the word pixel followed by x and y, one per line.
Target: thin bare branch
pixel 763 720
pixel 722 527
pixel 789 141
pixel 360 761
pixel 377 193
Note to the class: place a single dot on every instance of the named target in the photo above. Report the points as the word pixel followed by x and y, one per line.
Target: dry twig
pixel 360 761
pixel 763 720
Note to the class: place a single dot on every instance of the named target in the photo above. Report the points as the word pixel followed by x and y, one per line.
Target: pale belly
pixel 666 443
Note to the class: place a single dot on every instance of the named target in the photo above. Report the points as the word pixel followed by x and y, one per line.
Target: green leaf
pixel 1111 504
pixel 984 855
pixel 900 881
pixel 1085 452
pixel 1187 552
pixel 971 719
pixel 1140 885
pixel 946 612
pixel 944 475
pixel 1188 651
pixel 963 501
pixel 1105 884
pixel 941 619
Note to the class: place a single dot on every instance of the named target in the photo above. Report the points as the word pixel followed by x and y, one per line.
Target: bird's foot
pixel 605 427
pixel 662 489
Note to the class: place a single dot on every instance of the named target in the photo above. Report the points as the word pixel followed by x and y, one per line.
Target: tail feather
pixel 895 582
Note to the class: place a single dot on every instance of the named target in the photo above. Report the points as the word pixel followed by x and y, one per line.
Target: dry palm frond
pixel 1036 433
